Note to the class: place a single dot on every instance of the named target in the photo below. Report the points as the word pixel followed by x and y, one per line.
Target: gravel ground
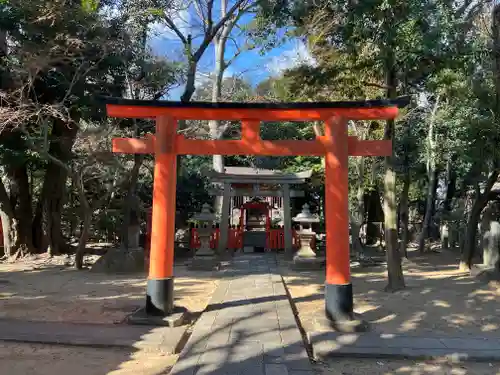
pixel 384 367
pixel 50 289
pixel 28 359
pixel 438 299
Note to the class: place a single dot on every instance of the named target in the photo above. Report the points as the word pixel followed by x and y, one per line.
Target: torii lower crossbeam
pixel 335 146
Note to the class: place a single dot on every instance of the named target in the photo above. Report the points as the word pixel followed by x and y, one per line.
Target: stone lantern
pixel 205 258
pixel 306 258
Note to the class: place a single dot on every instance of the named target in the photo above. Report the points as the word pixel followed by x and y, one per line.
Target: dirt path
pixel 438 299
pixel 384 367
pixel 50 290
pixel 26 359
pixel 43 289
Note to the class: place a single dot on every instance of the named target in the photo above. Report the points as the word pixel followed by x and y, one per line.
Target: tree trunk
pixel 446 228
pixel 216 128
pixel 373 208
pixel 394 269
pixel 131 212
pixel 21 201
pixel 469 245
pixel 431 179
pixel 9 223
pixel 3 43
pixel 9 234
pixel 86 214
pixel 358 215
pixel 431 197
pixel 214 125
pixel 404 214
pixel 190 87
pixel 82 241
pixel 451 185
pixel 47 220
pixel 357 218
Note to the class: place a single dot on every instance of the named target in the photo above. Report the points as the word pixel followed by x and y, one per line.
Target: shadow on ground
pixel 433 289
pixel 438 299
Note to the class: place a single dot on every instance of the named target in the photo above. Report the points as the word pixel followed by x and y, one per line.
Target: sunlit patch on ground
pixel 346 366
pixel 439 299
pixel 44 289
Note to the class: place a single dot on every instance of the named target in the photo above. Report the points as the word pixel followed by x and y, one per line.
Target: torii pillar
pixel 160 285
pixel 335 145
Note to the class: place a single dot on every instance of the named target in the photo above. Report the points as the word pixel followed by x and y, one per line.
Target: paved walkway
pixel 248 328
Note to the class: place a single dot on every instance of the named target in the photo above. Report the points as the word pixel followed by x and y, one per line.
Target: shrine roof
pixel 255 171
pixel 257 175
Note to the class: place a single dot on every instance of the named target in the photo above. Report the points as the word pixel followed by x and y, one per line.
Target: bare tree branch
pixel 215 29
pixel 175 29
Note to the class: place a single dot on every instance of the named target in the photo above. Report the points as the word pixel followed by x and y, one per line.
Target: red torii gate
pixel 335 145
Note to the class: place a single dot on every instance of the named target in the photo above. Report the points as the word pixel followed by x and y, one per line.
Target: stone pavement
pixel 249 326
pixel 157 339
pixel 380 345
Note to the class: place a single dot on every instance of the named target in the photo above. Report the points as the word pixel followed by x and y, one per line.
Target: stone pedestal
pixel 305 258
pixel 205 258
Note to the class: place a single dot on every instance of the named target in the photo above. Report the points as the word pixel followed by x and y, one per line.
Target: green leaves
pixel 156 12
pixel 90 6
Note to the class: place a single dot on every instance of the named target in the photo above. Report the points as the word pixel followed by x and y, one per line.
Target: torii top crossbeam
pixel 251 114
pixel 335 145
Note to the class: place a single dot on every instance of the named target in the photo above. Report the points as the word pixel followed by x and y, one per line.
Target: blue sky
pixel 250 65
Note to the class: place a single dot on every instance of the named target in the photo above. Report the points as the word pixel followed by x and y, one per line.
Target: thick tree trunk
pixel 215 126
pixel 9 234
pixel 394 268
pixel 469 245
pixel 190 87
pixel 20 197
pixel 9 223
pixel 404 216
pixel 47 222
pixel 3 43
